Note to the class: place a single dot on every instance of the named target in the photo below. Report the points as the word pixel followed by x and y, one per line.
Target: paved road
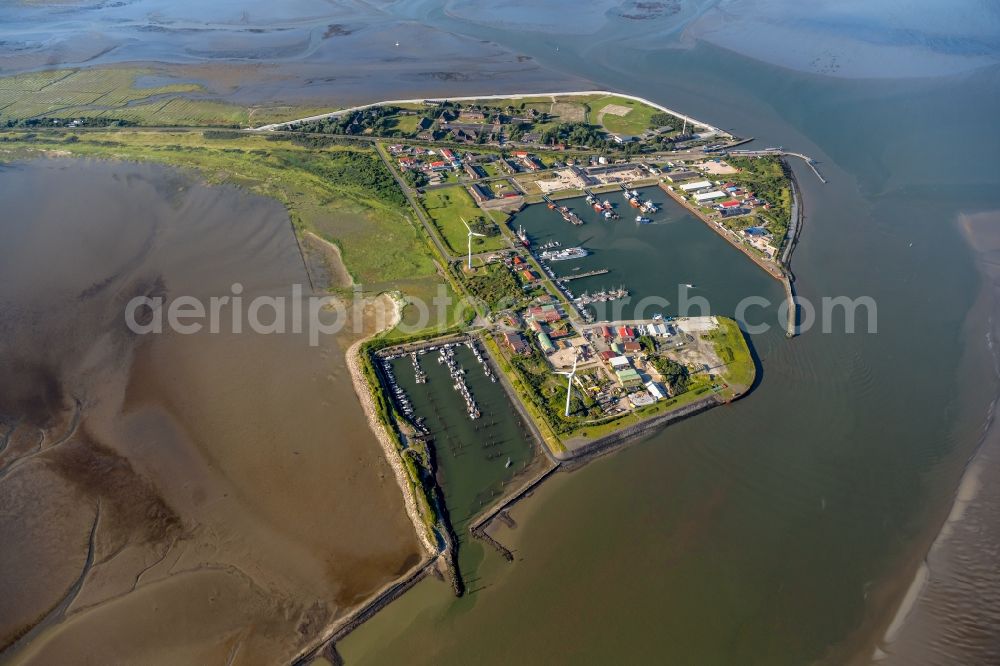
pixel 411 199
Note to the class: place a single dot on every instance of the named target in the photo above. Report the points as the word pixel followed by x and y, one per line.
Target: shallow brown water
pixel 172 498
pixel 952 609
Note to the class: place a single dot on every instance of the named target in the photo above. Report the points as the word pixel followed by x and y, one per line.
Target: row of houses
pixel 428 160
pixel 626 333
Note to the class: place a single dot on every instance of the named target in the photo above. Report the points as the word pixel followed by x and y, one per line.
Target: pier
pixel 579 276
pixel 566 213
pixel 805 158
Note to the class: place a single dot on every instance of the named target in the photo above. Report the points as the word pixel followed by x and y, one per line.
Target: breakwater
pixel 794 231
pixel 620 438
pixel 327 644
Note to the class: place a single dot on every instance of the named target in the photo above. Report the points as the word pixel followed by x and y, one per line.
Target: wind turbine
pixel 471 234
pixel 569 384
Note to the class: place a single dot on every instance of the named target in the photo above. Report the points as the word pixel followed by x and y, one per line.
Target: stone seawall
pixel 388 594
pixel 616 440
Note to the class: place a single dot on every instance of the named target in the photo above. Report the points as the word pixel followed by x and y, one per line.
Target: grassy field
pixel 569 112
pixel 453 311
pixel 586 108
pixel 446 207
pixel 407 124
pixel 493 169
pixel 734 352
pixel 342 193
pixel 122 94
pixel 636 121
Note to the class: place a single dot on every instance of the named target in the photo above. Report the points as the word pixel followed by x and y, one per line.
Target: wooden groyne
pixel 478 527
pixel 499 547
pixel 506 519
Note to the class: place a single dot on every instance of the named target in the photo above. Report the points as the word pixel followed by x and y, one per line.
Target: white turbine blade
pixel 466 224
pixel 475 234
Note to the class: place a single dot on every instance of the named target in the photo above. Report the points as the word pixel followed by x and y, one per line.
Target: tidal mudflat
pixel 187 498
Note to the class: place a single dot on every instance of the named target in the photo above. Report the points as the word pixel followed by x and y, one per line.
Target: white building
pixel 709 196
pixel 700 185
pixel 619 362
pixel 655 390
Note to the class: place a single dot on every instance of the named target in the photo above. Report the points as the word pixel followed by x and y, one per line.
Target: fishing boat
pixel 522 235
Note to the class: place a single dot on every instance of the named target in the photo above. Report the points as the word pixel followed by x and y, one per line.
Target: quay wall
pixel 772 270
pixel 783 275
